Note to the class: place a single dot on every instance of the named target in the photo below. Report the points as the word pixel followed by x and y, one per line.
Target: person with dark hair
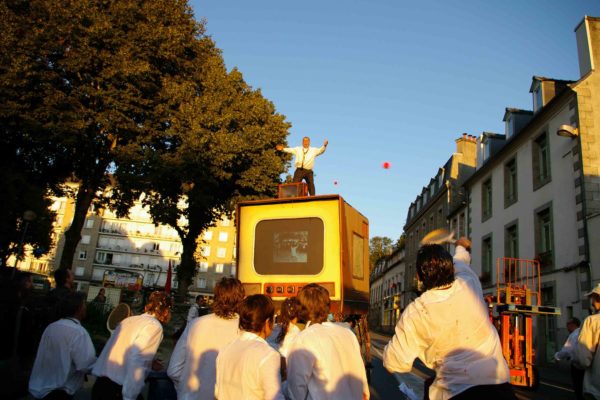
pixel 64 283
pixel 587 351
pixel 65 353
pixel 286 329
pixel 567 354
pixel 193 363
pixel 248 368
pixel 128 356
pixel 324 360
pixel 448 328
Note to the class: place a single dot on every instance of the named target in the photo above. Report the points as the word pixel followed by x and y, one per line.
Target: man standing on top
pixel 305 161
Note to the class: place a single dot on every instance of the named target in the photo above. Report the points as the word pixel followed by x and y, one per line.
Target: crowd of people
pixel 237 351
pixel 234 352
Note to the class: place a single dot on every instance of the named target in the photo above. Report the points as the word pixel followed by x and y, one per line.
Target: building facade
pixel 536 192
pixel 441 201
pixel 386 291
pixel 118 251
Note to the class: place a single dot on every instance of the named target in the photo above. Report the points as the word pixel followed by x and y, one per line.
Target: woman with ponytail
pixel 285 332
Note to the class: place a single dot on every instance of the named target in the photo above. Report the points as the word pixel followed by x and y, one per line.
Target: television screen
pixel 290 246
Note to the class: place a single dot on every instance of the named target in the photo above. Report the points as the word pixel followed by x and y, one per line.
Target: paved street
pixel 555 384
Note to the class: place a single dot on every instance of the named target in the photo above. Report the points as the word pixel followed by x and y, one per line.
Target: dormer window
pixel 537 97
pixel 486 149
pixel 510 126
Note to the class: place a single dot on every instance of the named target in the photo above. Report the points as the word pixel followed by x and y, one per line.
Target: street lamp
pixel 567 131
pixel 28 216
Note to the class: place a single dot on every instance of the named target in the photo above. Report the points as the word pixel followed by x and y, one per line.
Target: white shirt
pixel 284 347
pixel 127 356
pixel 65 354
pixel 325 363
pixel 305 158
pixel 193 363
pixel 249 369
pixel 450 331
pixel 587 354
pixel 566 353
pixel 193 312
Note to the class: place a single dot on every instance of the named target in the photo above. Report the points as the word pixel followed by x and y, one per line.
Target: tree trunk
pixel 83 200
pixel 187 268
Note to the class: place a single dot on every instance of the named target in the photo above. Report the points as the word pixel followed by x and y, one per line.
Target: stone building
pixel 133 250
pixel 441 201
pixel 536 192
pixel 386 291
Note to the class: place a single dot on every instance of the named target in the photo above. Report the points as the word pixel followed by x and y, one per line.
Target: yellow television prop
pixel 284 244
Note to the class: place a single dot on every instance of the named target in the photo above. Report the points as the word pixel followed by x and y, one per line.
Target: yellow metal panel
pixel 328 210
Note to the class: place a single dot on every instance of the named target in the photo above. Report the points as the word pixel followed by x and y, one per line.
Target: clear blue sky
pixel 393 80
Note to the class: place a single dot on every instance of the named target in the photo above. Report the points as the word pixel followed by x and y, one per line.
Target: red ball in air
pixel 386 165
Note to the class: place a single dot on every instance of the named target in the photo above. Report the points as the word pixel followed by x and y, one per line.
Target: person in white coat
pixel 462 347
pixel 193 363
pixel 286 330
pixel 65 353
pixel 248 368
pixel 324 360
pixel 587 352
pixel 128 356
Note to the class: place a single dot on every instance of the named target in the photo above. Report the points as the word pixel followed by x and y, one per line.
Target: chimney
pixel 463 143
pixel 587 34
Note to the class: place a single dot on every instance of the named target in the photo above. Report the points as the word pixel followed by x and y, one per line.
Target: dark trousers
pixel 577 378
pixel 306 175
pixel 106 389
pixel 502 391
pixel 58 395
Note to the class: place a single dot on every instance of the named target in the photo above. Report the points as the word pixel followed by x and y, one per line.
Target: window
pixel 83 255
pixel 208 235
pixel 223 236
pixel 202 283
pixel 85 239
pixel 486 259
pixel 79 271
pixel 233 270
pixel 203 266
pixel 225 221
pixel 461 225
pixel 510 183
pixel 541 161
pixel 511 241
pixel 510 126
pixel 486 200
pixel 89 223
pixel 104 258
pixel 544 242
pixel 205 251
pixel 221 252
pixel 219 268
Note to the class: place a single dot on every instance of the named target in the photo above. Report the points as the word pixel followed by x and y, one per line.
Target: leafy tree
pixel 78 79
pixel 26 218
pixel 379 247
pixel 400 243
pixel 219 147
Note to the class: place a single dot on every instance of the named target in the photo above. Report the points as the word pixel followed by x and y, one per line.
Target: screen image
pixel 290 246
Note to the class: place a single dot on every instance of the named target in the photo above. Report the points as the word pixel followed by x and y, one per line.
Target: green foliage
pixel 218 148
pixel 379 247
pixel 81 78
